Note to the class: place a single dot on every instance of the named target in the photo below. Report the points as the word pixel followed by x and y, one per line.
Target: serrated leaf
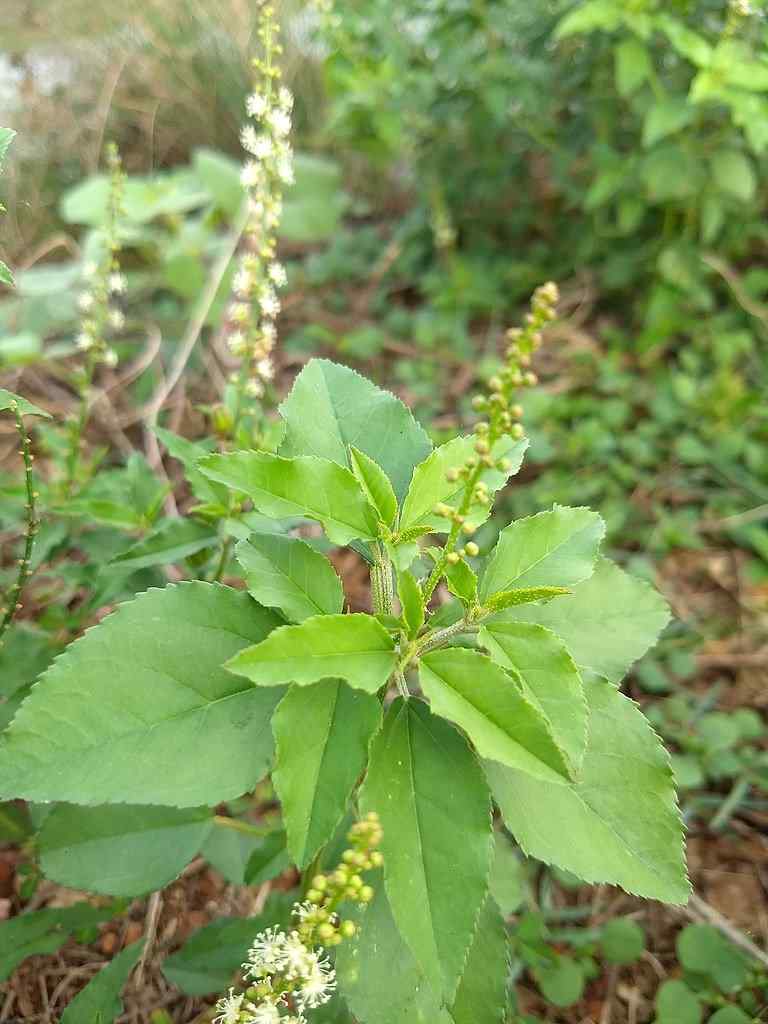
pixel 556 548
pixel 430 485
pixel 482 994
pixel 8 400
pixel 120 850
pixel 172 541
pixel 99 1002
pixel 411 601
pixel 375 484
pixel 422 780
pixel 287 573
pixel 489 704
pixel 524 595
pixel 618 822
pixel 331 407
pixel 462 582
pixel 543 663
pixel 306 486
pixel 188 454
pixel 44 931
pixel 607 623
pixel 352 647
pixel 121 714
pixel 208 960
pixel 6 277
pixel 322 735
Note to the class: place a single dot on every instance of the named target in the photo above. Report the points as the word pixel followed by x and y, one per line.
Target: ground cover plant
pixel 321 705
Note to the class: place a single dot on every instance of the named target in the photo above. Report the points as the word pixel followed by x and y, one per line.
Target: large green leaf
pixel 490 705
pixel 352 647
pixel 608 621
pixel 287 573
pixel 307 486
pixel 619 822
pixel 120 849
pixel 550 675
pixel 322 735
pixel 424 782
pixel 331 407
pixel 482 994
pixel 99 1002
pixel 126 713
pixel 556 548
pixel 430 484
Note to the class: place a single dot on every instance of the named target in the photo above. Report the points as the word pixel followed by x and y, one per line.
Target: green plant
pixel 540 708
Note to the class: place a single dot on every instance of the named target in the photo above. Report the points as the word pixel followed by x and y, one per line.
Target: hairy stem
pixel 12 603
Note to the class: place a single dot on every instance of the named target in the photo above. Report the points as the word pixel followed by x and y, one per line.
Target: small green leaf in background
pixel 607 623
pixel 331 407
pixel 701 949
pixel 665 118
pixel 352 647
pixel 411 601
pixel 137 739
pixel 268 860
pixel 734 174
pixel 507 876
pixel 99 1002
pixel 287 573
pixel 633 65
pixel 551 549
pixel 676 1004
pixel 375 484
pixel 561 981
pixel 120 850
pixel 306 486
pixel 423 779
pixel 619 821
pixel 322 734
pixel 228 850
pixel 45 931
pixel 489 704
pixel 622 941
pixel 8 400
pixel 729 1015
pixel 172 541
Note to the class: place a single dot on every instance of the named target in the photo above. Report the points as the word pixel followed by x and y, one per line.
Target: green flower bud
pixel 348 929
pixel 452 558
pixel 472 549
pixel 366 894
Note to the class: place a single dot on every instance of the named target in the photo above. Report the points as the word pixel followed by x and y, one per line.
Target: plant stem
pixel 450 544
pixel 226 547
pixel 12 604
pixel 730 804
pixel 240 826
pixel 383 594
pixel 78 427
pixel 440 636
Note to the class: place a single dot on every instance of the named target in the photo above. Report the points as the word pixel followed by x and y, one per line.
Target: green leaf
pixel 99 1002
pixel 561 981
pixel 269 860
pixel 507 882
pixel 306 486
pixel 121 715
pixel 6 277
pixel 618 822
pixel 623 941
pixel 314 204
pixel 729 1015
pixel 430 485
pixel 423 781
pixel 228 850
pixel 352 647
pixel 633 65
pixel 482 994
pixel 701 949
pixel 322 735
pixel 287 573
pixel 189 453
pixel 220 175
pixel 411 602
pixel 556 548
pixel 8 400
pixel 7 135
pixel 207 962
pixel 687 42
pixel 489 704
pixel 375 484
pixel 462 582
pixel 44 931
pixel 676 1004
pixel 15 824
pixel 734 174
pixel 524 595
pixel 666 118
pixel 589 16
pixel 331 407
pixel 120 850
pixel 172 541
pixel 608 621
pixel 550 676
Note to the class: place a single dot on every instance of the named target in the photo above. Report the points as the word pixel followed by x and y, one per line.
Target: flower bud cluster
pixel 502 418
pixel 268 168
pixel 287 973
pixel 99 302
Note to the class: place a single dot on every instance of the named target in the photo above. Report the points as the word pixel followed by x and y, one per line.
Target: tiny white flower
pixel 318 983
pixel 303 910
pixel 269 333
pixel 84 341
pixel 285 171
pixel 91 269
pixel 239 312
pixel 243 281
pixel 116 319
pixel 249 138
pixel 269 302
pixel 278 274
pixel 229 1008
pixel 285 98
pixel 266 1013
pixel 250 174
pixel 254 388
pixel 117 284
pixel 280 122
pixel 86 301
pixel 298 958
pixel 236 343
pixel 263 147
pixel 110 358
pixel 267 953
pixel 256 105
pixel 265 369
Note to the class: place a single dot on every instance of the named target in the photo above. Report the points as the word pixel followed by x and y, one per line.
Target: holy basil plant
pixel 478 686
